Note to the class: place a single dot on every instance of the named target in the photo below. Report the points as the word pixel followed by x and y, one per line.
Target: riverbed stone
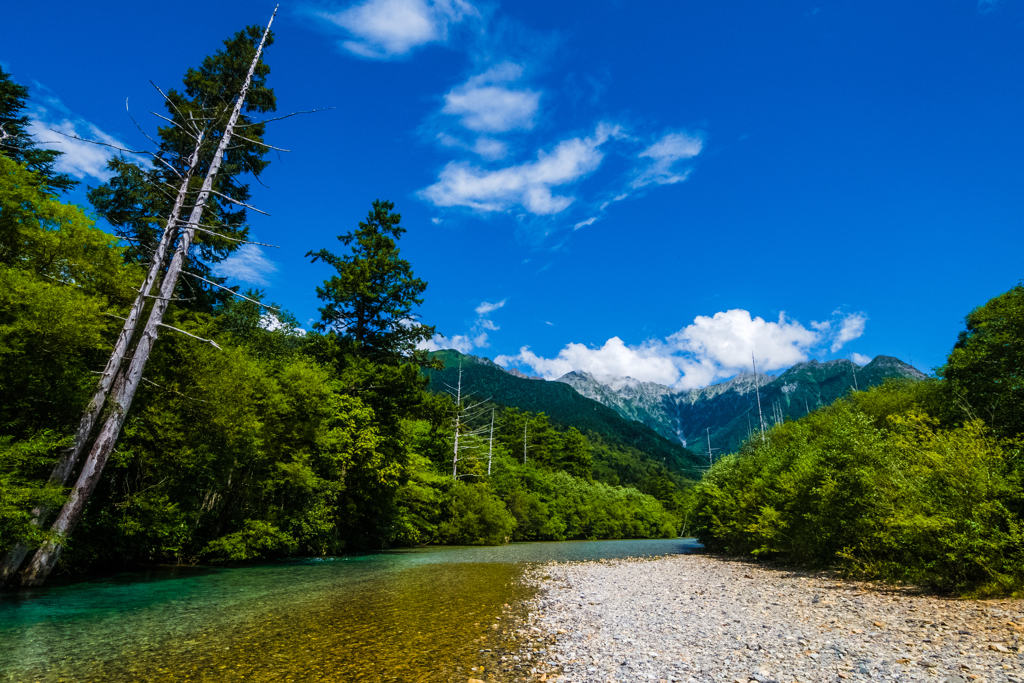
pixel 691 618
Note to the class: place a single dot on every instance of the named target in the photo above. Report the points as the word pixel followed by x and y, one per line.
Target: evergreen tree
pixel 16 142
pixel 369 302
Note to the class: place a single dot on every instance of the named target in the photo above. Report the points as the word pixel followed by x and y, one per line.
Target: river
pixel 405 615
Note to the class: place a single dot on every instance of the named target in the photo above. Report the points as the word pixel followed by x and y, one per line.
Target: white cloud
pixel 388 28
pixel 247 264
pixel 711 348
pixel 272 323
pixel 489 148
pixel 528 185
pixel 463 343
pixel 436 221
pixel 484 308
pixel 851 328
pixel 485 105
pixel 860 358
pixel 646 362
pixel 583 224
pixel 664 154
pixel 80 159
pixel 477 338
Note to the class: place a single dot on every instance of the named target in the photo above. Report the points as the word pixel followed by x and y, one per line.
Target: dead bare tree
pixel 465 437
pixel 125 382
pixel 757 390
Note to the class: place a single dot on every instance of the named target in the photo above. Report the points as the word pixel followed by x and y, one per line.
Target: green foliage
pixel 17 144
pixel 370 301
pixel 23 466
pixel 985 369
pixel 59 277
pixel 885 494
pixel 256 540
pixel 476 517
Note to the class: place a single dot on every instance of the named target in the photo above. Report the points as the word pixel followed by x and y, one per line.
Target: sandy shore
pixel 700 618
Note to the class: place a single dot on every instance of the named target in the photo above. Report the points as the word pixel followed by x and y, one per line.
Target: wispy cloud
pixel 851 327
pixel 475 339
pixel 247 264
pixel 54 126
pixel 382 29
pixel 986 6
pixel 583 224
pixel 485 307
pixel 528 185
pixel 710 348
pixel 485 104
pixel 664 154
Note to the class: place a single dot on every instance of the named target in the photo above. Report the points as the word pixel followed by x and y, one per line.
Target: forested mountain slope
pixel 561 403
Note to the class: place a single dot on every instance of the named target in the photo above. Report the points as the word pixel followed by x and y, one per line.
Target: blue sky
pixel 655 189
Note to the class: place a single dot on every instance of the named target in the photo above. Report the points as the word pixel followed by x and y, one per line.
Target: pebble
pixel 690 618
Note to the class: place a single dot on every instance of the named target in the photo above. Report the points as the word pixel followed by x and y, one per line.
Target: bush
pixel 893 496
pixel 478 517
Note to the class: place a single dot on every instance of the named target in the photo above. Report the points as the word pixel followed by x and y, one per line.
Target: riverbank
pixel 699 617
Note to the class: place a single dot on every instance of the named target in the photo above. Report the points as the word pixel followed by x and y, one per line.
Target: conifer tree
pixel 370 301
pixel 17 143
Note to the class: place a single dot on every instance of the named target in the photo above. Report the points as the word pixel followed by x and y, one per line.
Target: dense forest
pixel 909 481
pixel 248 437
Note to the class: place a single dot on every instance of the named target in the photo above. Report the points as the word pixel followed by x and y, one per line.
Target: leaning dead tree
pixel 119 383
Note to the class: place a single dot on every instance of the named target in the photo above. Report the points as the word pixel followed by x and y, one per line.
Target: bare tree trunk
pixel 69 458
pixel 757 389
pixel 490 445
pixel 458 418
pixel 127 383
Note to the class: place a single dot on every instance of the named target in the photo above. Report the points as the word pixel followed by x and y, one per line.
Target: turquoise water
pixel 416 615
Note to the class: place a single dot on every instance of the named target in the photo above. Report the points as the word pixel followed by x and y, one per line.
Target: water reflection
pixel 414 615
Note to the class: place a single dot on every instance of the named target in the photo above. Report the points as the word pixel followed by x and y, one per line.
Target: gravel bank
pixel 699 618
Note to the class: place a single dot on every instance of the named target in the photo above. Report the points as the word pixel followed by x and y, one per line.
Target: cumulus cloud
pixel 709 349
pixel 664 154
pixel 527 185
pixel 647 362
pixel 485 104
pixel 860 358
pixel 382 29
pixel 247 264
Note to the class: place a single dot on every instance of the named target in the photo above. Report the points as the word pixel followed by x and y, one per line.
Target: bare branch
pixel 217 234
pixel 189 334
pixel 149 381
pixel 227 289
pixel 279 118
pixel 235 201
pixel 257 142
pixel 104 144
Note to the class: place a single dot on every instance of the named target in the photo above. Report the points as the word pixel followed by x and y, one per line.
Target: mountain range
pixel 727 414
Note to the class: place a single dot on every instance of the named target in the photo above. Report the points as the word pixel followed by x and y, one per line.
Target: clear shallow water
pixel 410 615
